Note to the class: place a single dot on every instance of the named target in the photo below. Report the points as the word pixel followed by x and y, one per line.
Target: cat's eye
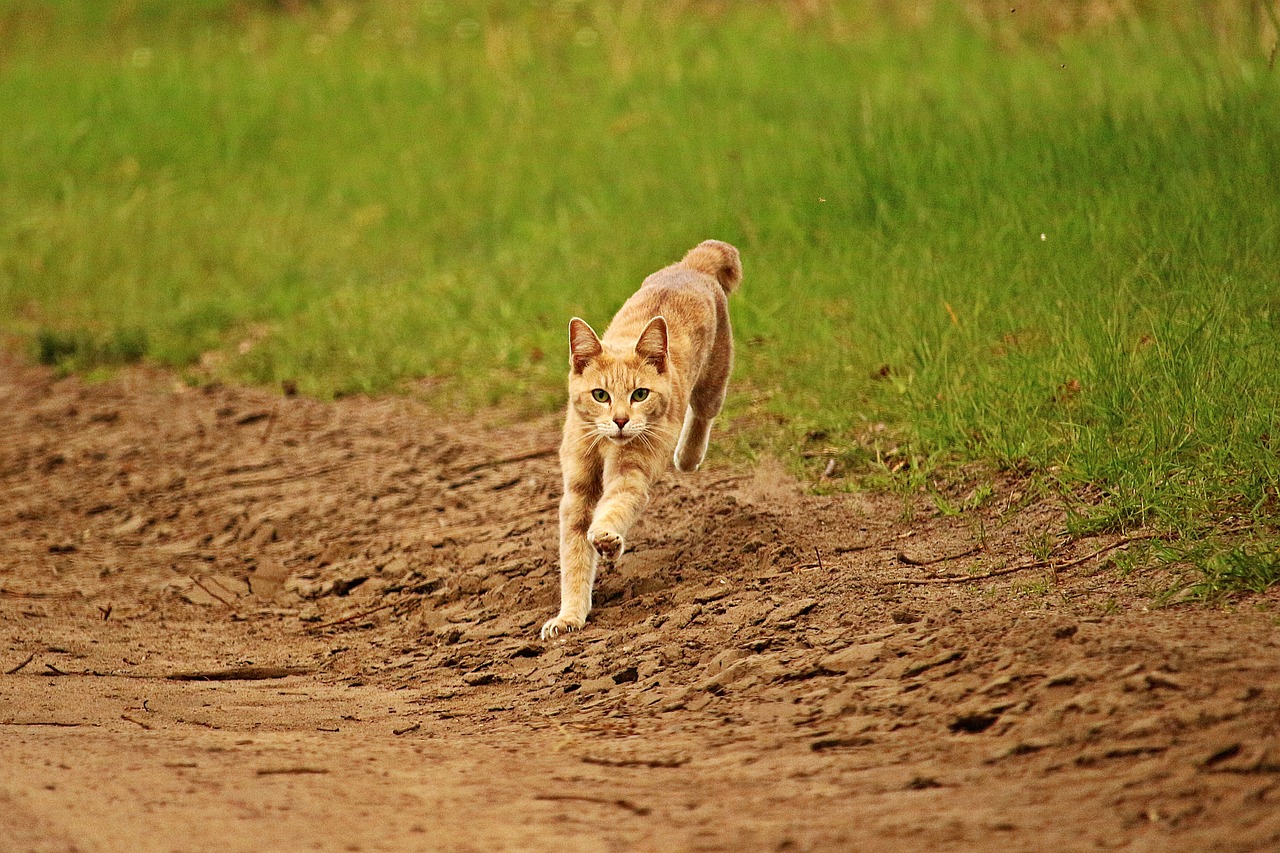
pixel 600 395
pixel 638 395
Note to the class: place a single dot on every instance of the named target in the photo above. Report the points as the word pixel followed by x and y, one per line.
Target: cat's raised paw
pixel 561 625
pixel 607 544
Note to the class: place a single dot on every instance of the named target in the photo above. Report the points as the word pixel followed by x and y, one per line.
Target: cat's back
pixel 705 277
pixel 685 298
pixel 691 295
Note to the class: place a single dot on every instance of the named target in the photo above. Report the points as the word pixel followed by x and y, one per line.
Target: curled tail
pixel 718 260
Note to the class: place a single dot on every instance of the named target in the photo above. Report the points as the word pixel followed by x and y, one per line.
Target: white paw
pixel 607 544
pixel 689 454
pixel 562 624
pixel 685 467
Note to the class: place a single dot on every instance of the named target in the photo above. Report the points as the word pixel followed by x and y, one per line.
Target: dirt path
pixel 240 622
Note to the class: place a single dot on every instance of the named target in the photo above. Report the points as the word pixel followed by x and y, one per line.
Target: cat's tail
pixel 718 260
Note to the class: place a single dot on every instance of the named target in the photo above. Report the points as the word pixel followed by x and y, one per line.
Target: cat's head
pixel 619 392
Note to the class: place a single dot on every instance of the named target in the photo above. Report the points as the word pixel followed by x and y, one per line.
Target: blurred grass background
pixel 1041 237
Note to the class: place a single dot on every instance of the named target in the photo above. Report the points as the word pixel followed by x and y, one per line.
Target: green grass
pixel 1050 247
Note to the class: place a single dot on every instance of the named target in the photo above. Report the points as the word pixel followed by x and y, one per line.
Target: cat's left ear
pixel 652 345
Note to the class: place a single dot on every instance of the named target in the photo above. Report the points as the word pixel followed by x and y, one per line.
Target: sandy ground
pixel 236 621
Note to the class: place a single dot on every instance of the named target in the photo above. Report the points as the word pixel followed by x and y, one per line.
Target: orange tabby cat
pixel 649 387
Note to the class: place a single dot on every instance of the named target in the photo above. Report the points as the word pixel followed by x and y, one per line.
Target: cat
pixel 644 393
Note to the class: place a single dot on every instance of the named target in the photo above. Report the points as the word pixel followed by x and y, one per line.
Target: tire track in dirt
pixel 751 676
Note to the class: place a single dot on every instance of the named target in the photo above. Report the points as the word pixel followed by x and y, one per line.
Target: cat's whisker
pixel 652 437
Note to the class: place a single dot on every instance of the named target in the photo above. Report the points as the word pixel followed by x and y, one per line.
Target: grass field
pixel 1047 241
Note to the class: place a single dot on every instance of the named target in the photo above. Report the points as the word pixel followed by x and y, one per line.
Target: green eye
pixel 638 395
pixel 600 395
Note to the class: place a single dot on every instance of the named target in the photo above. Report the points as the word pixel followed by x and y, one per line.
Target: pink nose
pixel 621 422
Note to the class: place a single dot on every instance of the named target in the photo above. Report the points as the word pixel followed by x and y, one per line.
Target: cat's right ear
pixel 583 344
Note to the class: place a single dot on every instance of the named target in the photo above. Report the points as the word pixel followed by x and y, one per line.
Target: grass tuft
pixel 1225 572
pixel 83 350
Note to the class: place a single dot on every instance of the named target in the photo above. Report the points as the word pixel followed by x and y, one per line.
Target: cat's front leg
pixel 626 493
pixel 577 566
pixel 607 543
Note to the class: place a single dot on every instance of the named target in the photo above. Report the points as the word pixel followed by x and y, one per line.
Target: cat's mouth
pixel 619 437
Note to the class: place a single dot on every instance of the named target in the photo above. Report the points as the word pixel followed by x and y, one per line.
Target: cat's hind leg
pixel 705 403
pixel 695 435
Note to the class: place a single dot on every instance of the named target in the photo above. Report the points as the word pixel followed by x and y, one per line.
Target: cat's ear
pixel 583 344
pixel 652 345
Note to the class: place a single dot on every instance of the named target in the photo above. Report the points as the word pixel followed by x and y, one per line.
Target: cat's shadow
pixel 640 573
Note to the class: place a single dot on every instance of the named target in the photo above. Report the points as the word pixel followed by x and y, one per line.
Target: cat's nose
pixel 621 422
